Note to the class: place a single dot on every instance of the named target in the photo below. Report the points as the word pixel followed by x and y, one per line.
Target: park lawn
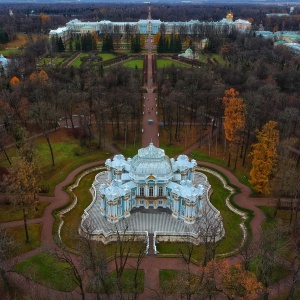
pixel 18 235
pixel 168 281
pixel 172 150
pixel 106 56
pixel 8 52
pixel 218 58
pixel 49 271
pixel 131 150
pixel 134 64
pixel 77 62
pixel 164 63
pixel 8 213
pixel 68 155
pixel 241 172
pixel 202 58
pixel 128 280
pixel 72 219
pixel 231 221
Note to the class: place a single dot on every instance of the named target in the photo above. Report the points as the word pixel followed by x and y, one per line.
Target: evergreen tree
pixel 160 44
pixel 60 45
pixel 178 44
pixel 108 44
pixel 4 38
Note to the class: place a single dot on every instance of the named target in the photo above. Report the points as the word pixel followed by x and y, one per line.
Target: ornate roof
pixel 151 160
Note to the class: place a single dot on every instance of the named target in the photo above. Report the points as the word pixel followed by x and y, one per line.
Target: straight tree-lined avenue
pixel 150 131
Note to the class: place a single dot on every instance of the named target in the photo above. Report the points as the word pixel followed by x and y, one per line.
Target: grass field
pixel 134 64
pixel 8 213
pixel 164 63
pixel 106 56
pixel 77 62
pixel 218 58
pixel 8 52
pixel 49 271
pixel 18 235
pixel 66 154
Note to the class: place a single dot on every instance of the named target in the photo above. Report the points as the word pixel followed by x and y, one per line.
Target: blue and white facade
pixel 151 180
pixel 149 26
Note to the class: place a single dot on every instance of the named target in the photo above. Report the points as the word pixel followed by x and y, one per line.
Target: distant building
pixel 149 26
pixel 189 54
pixel 3 64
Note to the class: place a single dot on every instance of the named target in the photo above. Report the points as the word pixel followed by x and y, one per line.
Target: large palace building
pixel 149 184
pixel 148 26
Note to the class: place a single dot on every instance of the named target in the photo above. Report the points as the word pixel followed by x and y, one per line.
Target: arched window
pixel 151 191
pixel 160 191
pixel 142 191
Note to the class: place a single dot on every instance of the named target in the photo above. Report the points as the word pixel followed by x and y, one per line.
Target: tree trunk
pixel 3 149
pixel 25 225
pixel 50 147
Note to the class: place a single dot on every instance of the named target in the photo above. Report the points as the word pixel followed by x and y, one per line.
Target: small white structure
pixel 189 54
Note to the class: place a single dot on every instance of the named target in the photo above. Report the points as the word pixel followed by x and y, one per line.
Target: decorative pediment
pixel 151 177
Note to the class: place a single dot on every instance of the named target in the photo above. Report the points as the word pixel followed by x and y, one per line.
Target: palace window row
pixel 151 191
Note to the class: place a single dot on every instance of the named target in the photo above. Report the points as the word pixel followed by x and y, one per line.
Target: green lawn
pixel 8 52
pixel 128 278
pixel 218 58
pixel 18 235
pixel 77 62
pixel 68 155
pixel 164 63
pixel 106 56
pixel 134 64
pixel 47 270
pixel 72 219
pixel 8 213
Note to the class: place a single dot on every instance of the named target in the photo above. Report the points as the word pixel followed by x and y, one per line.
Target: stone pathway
pixel 150 124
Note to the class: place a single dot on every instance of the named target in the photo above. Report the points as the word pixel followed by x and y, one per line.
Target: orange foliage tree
pixel 156 38
pixel 233 281
pixel 44 18
pixel 234 122
pixel 15 80
pixel 265 157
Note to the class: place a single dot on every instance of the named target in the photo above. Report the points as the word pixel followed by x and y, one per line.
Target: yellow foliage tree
pixel 43 76
pixel 44 18
pixel 265 157
pixel 22 182
pixel 234 122
pixel 14 80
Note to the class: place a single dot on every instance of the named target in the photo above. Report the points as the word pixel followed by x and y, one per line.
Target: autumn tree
pixel 234 122
pixel 264 157
pixel 232 281
pixel 15 80
pixel 22 183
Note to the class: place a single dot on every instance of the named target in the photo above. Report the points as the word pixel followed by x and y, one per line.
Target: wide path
pixel 150 124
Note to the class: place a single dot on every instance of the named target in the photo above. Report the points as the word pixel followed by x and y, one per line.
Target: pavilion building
pixel 150 182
